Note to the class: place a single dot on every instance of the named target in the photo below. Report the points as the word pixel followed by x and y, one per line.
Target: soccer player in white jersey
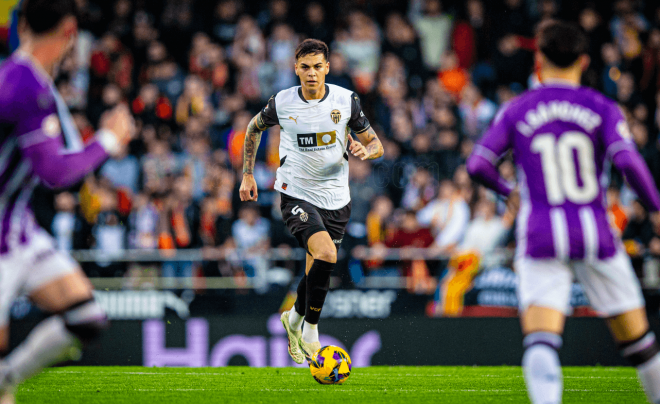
pixel 39 142
pixel 562 135
pixel 315 120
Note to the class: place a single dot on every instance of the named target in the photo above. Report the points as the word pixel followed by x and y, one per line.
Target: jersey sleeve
pixel 269 113
pixel 38 131
pixel 497 140
pixel 615 133
pixel 482 163
pixel 28 105
pixel 358 122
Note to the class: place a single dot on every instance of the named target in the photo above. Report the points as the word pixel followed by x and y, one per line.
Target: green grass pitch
pixel 244 385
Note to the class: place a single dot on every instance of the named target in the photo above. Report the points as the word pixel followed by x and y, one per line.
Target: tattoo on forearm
pixel 374 146
pixel 252 139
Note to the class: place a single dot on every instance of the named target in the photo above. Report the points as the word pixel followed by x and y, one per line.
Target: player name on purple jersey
pixel 562 138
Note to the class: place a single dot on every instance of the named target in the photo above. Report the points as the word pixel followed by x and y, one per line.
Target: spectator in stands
pixel 67 224
pixel 434 30
pixel 109 233
pixel 611 70
pixel 592 24
pixel 281 47
pixel 487 230
pixel 251 234
pixel 277 13
pixel 143 223
pixel 401 40
pixel 360 45
pixel 626 27
pixel 363 189
pixel 476 112
pixel 195 161
pixel 650 79
pixel 248 55
pixel 111 96
pixel 158 166
pixel 447 216
pixel 339 72
pixel 419 191
pixel 626 93
pixel 180 228
pixel 162 71
pixel 377 218
pixel 123 171
pixel 193 102
pixel 150 107
pixel 639 231
pixel 316 26
pixel 223 26
pixel 409 235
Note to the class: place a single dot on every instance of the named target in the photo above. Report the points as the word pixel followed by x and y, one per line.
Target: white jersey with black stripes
pixel 313 142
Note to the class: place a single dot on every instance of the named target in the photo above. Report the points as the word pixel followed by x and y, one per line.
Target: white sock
pixel 649 374
pixel 295 319
pixel 310 332
pixel 542 369
pixel 47 344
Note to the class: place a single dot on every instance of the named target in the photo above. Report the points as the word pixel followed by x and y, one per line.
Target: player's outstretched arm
pixel 485 172
pixel 58 168
pixel 631 164
pixel 248 190
pixel 368 148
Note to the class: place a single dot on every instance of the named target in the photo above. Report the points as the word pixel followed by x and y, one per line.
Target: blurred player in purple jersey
pixel 563 138
pixel 40 142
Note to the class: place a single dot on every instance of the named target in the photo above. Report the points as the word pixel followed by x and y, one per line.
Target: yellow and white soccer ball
pixel 330 365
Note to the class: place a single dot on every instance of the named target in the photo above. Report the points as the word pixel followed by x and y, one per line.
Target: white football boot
pixel 309 349
pixel 294 337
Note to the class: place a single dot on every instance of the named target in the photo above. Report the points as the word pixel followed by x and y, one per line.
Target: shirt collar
pixel 327 92
pixel 559 83
pixel 34 64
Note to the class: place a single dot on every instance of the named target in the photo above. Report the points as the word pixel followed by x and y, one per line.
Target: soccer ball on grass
pixel 330 365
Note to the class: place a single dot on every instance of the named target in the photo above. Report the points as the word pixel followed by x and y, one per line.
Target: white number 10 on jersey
pixel 560 172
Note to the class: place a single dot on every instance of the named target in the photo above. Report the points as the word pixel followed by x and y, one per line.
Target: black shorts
pixel 304 219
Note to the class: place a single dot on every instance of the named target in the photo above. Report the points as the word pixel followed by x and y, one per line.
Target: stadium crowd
pixel 431 74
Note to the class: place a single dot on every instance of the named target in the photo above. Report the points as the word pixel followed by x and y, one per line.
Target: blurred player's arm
pixel 259 123
pixel 41 142
pixel 482 163
pixel 369 147
pixel 631 164
pixel 625 157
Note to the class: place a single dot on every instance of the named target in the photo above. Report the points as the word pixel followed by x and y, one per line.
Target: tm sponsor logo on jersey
pixel 317 141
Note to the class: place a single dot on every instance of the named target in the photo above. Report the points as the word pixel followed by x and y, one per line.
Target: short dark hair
pixel 312 47
pixel 562 43
pixel 44 15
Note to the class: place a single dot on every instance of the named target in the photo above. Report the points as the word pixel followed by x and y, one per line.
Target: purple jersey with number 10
pixel 562 138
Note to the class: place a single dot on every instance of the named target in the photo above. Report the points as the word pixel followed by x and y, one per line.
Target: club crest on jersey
pixel 51 125
pixel 335 115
